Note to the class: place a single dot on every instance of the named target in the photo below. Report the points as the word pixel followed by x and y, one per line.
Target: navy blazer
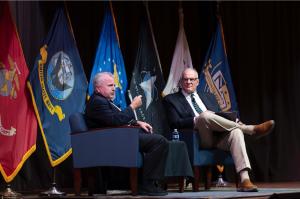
pixel 100 112
pixel 179 112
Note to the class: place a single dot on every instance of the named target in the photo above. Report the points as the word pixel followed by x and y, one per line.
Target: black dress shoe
pixel 151 190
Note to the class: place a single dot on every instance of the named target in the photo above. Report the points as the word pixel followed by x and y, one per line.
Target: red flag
pixel 18 125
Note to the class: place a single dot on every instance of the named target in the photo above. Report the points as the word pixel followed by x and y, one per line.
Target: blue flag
pixel 58 87
pixel 109 59
pixel 215 75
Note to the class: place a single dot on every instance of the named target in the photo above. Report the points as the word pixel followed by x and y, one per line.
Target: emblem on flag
pixel 217 85
pixel 9 80
pixel 7 132
pixel 148 87
pixel 58 87
pixel 51 108
pixel 60 76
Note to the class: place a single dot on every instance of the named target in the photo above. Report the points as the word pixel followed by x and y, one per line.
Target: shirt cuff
pixel 132 122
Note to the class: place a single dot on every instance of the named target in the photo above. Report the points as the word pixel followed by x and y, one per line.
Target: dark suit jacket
pixel 179 112
pixel 100 112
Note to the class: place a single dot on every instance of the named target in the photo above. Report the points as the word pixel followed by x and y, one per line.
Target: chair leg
pixel 77 181
pixel 181 184
pixel 237 180
pixel 133 181
pixel 196 178
pixel 208 177
pixel 92 172
pixel 165 185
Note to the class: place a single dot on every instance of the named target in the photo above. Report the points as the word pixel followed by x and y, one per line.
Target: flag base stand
pixel 53 191
pixel 220 182
pixel 9 193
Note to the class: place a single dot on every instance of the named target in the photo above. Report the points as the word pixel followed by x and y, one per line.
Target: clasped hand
pixel 144 125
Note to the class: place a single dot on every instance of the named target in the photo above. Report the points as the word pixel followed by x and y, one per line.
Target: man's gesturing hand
pixel 136 102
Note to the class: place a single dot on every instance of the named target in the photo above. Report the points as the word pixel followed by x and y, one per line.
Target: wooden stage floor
pixel 273 190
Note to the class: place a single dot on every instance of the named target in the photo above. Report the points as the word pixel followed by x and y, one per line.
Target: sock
pixel 247 129
pixel 244 175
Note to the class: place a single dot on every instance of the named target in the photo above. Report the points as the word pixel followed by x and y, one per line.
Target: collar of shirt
pixel 198 100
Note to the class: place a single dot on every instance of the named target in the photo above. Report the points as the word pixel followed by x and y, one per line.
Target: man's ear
pixel 97 89
pixel 179 83
pixel 197 81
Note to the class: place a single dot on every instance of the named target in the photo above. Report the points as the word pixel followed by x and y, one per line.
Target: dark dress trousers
pixel 100 112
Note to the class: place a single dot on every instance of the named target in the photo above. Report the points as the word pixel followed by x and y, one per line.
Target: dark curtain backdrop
pixel 263 48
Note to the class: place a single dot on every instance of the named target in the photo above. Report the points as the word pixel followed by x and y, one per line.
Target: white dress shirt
pixel 198 101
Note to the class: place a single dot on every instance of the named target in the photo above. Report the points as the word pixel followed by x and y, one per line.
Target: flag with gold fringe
pixel 58 86
pixel 18 125
pixel 215 74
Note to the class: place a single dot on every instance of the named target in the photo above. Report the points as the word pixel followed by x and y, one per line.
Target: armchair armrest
pixel 191 138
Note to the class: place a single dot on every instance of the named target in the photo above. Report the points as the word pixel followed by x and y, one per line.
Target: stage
pixel 266 190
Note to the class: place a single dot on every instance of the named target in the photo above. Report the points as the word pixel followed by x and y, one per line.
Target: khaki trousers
pixel 219 132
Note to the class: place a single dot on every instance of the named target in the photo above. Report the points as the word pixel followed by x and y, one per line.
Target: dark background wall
pixel 263 47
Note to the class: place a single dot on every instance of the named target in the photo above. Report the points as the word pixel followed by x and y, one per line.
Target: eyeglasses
pixel 191 79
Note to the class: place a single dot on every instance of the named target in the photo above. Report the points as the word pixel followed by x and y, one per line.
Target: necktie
pixel 195 105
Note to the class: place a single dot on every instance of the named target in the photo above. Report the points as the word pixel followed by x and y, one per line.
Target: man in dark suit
pixel 189 109
pixel 102 112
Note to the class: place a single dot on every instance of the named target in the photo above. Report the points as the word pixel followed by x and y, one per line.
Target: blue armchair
pixel 203 157
pixel 117 147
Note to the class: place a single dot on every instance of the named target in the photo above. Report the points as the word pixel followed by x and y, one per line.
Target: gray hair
pixel 192 69
pixel 100 77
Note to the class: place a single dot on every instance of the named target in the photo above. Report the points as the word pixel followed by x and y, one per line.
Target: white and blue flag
pixel 109 59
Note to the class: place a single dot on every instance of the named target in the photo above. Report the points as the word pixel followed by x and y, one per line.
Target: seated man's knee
pixel 237 134
pixel 164 142
pixel 161 140
pixel 204 117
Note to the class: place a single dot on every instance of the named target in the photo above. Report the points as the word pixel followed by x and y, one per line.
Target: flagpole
pixel 114 20
pixel 69 20
pixel 130 98
pixel 220 21
pixel 220 182
pixel 152 34
pixel 53 191
pixel 71 29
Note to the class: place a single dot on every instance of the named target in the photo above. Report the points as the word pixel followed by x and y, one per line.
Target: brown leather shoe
pixel 247 186
pixel 264 129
